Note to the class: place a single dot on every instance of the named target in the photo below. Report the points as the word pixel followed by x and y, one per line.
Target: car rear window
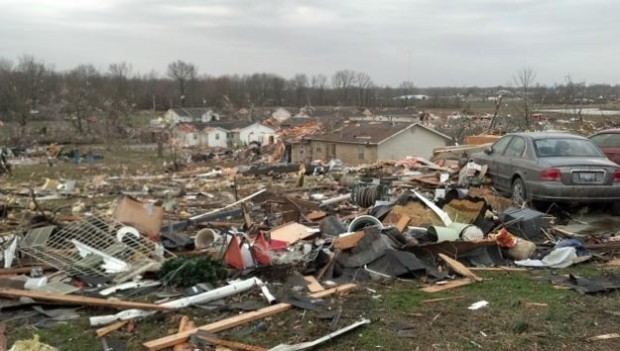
pixel 566 147
pixel 607 140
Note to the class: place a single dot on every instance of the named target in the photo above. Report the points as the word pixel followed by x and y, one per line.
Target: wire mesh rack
pixel 95 246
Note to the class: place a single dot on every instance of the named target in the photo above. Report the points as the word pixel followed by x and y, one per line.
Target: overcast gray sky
pixel 430 42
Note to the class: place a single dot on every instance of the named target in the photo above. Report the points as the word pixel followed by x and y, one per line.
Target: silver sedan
pixel 553 167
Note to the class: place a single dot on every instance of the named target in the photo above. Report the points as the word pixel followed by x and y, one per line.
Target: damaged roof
pixel 369 132
pixel 194 112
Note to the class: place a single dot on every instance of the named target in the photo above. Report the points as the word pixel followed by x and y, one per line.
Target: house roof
pixel 230 125
pixel 369 133
pixel 296 121
pixel 193 112
pixel 187 127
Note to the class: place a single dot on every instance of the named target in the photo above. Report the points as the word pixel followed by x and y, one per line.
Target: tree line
pixel 31 89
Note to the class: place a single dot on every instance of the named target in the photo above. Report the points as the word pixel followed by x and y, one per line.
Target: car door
pixel 494 159
pixel 512 162
pixel 609 143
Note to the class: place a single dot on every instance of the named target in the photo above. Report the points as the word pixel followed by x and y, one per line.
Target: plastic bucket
pixel 362 222
pixel 468 232
pixel 205 238
pixel 444 233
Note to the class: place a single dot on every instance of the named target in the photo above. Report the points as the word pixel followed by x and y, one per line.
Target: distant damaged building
pixel 367 142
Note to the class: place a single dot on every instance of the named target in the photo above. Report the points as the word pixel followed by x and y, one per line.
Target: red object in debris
pixel 233 254
pixel 505 239
pixel 278 245
pixel 260 250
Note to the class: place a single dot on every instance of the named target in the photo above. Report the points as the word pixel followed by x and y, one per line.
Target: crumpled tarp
pixel 558 258
pixel 589 286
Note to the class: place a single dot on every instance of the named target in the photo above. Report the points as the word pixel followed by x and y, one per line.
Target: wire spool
pixel 365 194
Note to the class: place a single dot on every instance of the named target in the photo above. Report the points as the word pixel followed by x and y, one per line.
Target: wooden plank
pixel 498 269
pixel 171 340
pixel 231 344
pixel 348 241
pixel 444 299
pixel 451 285
pixel 21 270
pixel 402 223
pixel 313 285
pixel 101 332
pixel 316 215
pixel 604 337
pixel 566 233
pixel 459 268
pixel 80 300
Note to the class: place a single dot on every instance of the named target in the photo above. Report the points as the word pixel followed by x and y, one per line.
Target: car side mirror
pixel 488 151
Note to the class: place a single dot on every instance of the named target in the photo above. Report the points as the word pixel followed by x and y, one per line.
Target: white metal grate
pixel 96 246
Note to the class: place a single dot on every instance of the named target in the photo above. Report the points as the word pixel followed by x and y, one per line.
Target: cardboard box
pixel 146 217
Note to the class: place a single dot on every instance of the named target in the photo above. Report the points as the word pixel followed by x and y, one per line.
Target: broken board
pixel 291 232
pixel 459 268
pixel 450 285
pixel 347 241
pixel 313 284
pixel 80 300
pixel 228 323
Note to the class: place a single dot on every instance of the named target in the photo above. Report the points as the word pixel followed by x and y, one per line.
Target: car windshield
pixel 610 140
pixel 566 147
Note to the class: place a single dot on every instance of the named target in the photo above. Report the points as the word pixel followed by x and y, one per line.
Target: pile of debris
pixel 199 238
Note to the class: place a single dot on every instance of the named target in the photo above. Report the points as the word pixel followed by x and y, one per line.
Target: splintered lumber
pixel 313 285
pixel 498 269
pixel 171 340
pixel 348 241
pixel 101 332
pixel 459 268
pixel 451 285
pixel 444 299
pixel 566 233
pixel 604 337
pixel 80 300
pixel 231 344
pixel 20 270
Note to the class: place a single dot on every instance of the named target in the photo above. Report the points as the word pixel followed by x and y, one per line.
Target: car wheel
pixel 615 209
pixel 519 193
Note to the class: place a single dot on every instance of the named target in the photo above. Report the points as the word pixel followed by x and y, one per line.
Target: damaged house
pixel 191 114
pixel 223 134
pixel 368 142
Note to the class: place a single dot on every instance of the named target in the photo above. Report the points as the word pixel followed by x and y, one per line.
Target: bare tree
pixel 299 84
pixel 182 72
pixel 80 95
pixel 573 96
pixel 319 83
pixel 117 104
pixel 363 81
pixel 343 80
pixel 524 79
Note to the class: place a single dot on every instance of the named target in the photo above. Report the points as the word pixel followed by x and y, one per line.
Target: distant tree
pixel 319 82
pixel 80 98
pixel 343 81
pixel 299 84
pixel 363 82
pixel 117 105
pixel 407 88
pixel 182 72
pixel 573 96
pixel 524 80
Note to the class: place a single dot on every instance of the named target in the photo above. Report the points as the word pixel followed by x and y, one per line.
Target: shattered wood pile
pixel 272 237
